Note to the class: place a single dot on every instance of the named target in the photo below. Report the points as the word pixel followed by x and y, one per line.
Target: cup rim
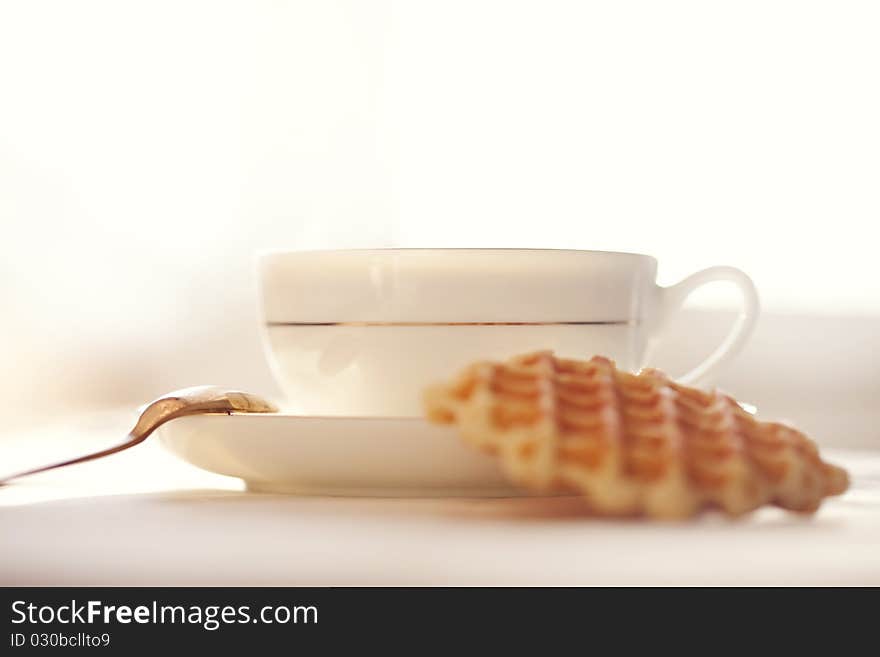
pixel 277 253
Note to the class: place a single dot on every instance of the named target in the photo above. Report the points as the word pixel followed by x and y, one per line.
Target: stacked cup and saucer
pixel 355 336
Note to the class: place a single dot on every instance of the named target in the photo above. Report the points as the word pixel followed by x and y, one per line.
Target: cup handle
pixel 672 298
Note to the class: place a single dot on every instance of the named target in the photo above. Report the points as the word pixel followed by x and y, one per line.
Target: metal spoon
pixel 189 401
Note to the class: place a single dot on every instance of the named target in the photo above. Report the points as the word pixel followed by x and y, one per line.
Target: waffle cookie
pixel 630 443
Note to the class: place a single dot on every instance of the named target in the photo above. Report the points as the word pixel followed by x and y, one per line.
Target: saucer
pixel 353 456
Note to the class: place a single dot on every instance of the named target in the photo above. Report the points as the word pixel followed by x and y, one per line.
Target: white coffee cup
pixel 361 332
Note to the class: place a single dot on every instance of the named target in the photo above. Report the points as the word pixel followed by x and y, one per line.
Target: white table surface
pixel 144 518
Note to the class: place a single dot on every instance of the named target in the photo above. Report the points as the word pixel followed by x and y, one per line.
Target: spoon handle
pixel 189 401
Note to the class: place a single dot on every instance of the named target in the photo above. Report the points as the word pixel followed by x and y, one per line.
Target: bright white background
pixel 148 148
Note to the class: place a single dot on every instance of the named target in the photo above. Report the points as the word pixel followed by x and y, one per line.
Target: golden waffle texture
pixel 631 444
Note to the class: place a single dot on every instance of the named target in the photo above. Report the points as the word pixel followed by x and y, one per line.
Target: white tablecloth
pixel 142 517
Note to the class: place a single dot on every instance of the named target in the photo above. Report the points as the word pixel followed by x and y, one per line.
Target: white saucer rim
pixel 298 416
